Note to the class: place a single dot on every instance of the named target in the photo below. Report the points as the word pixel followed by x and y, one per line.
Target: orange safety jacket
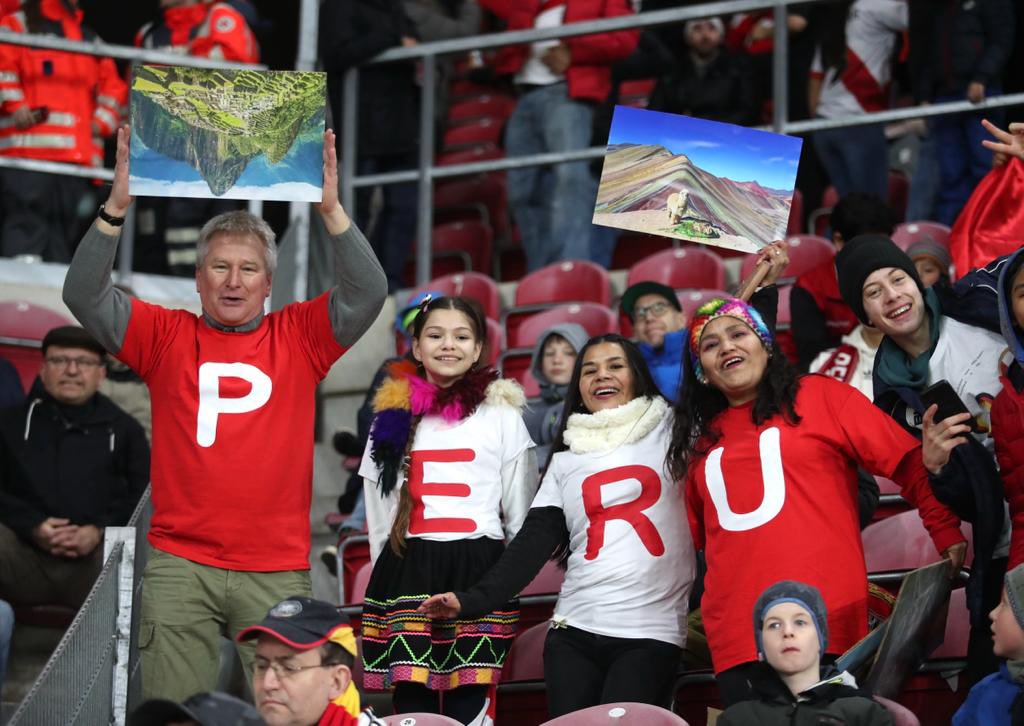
pixel 83 95
pixel 203 30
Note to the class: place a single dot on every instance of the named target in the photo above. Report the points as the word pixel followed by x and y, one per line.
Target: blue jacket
pixel 990 701
pixel 666 362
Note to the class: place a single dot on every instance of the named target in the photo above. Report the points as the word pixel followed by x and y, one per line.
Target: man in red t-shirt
pixel 232 393
pixel 820 316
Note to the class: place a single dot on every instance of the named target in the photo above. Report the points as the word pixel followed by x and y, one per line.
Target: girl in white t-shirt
pixel 608 506
pixel 449 473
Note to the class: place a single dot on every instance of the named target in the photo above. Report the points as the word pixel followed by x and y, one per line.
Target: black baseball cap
pixel 301 622
pixel 648 287
pixel 206 709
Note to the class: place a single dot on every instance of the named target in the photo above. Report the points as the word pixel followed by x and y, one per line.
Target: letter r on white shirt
pixel 774 486
pixel 211 405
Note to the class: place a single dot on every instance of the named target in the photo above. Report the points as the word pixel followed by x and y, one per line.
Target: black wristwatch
pixel 109 218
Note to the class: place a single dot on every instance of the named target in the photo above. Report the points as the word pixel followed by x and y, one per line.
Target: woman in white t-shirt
pixel 608 506
pixel 449 473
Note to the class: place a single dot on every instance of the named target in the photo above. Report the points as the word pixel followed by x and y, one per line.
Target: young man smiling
pixel 232 398
pixel 924 344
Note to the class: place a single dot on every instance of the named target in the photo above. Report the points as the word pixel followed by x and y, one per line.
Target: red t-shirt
pixel 232 465
pixel 779 502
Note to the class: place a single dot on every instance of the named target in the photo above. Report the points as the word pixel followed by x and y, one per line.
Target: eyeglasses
pixel 653 310
pixel 283 670
pixel 63 361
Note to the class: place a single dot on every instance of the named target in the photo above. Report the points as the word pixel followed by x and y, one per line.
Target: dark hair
pixel 694 432
pixel 643 385
pixel 832 32
pixel 333 654
pixel 72 336
pixel 471 309
pixel 858 213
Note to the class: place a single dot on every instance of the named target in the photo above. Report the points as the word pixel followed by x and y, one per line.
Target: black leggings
pixel 583 669
pixel 462 704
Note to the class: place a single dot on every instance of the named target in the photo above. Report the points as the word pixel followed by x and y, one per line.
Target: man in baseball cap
pixel 302 673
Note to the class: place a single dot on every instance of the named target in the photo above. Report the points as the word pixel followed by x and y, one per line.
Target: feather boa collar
pixel 589 433
pixel 405 395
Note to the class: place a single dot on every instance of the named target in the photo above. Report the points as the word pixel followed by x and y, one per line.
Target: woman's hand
pixel 771 261
pixel 444 606
pixel 956 554
pixel 1007 144
pixel 939 439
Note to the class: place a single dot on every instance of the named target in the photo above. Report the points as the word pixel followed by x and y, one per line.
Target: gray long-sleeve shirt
pixel 355 300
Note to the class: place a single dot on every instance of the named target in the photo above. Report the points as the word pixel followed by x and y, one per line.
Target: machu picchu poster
pixel 198 132
pixel 696 180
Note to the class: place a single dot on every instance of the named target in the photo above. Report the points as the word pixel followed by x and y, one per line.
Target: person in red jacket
pixel 559 82
pixel 169 227
pixel 54 106
pixel 1008 409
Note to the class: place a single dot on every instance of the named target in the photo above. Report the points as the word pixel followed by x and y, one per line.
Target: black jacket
pixel 825 703
pixel 87 463
pixel 352 32
pixel 725 91
pixel 956 42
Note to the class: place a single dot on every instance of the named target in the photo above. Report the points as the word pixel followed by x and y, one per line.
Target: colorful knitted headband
pixel 718 308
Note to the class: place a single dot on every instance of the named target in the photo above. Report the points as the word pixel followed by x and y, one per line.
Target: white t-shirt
pixel 863 86
pixel 465 477
pixel 632 563
pixel 533 70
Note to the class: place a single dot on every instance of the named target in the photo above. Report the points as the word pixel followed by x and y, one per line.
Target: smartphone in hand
pixel 949 403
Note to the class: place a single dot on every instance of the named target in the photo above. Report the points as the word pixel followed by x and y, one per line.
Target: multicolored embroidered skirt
pixel 400 644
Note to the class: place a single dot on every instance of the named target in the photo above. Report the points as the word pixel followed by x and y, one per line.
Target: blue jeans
pixel 553 206
pixel 6 631
pixel 963 161
pixel 856 159
pixel 393 233
pixel 924 184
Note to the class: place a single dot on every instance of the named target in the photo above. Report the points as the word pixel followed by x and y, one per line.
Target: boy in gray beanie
pixel 997 699
pixel 792 686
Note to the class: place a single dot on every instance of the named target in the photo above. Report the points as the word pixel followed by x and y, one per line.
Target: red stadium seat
pixel 818 221
pixel 525 660
pixel 632 247
pixel 419 719
pixel 596 319
pixel 473 109
pixel 900 543
pixel 482 191
pixel 636 93
pixel 890 499
pixel 537 600
pixel 353 553
pixel 462 88
pixel 693 299
pixel 796 214
pixel 568 281
pixel 359 583
pixel 901 715
pixel 495 341
pixel 474 285
pixel 908 233
pixel 457 247
pixel 485 130
pixel 23 325
pixel 619 714
pixel 806 251
pixel 898 193
pixel 522 698
pixel 679 268
pixel 515 364
pixel 474 153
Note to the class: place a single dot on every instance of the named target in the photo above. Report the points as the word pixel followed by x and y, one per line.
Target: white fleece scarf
pixel 603 431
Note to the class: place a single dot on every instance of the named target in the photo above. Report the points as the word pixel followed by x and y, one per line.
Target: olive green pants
pixel 188 607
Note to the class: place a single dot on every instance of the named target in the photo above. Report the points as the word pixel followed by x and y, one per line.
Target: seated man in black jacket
pixel 71 463
pixel 707 80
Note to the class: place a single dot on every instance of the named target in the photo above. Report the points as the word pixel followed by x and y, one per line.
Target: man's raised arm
pixel 89 292
pixel 360 285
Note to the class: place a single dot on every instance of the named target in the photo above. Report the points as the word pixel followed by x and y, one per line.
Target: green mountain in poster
pixel 218 121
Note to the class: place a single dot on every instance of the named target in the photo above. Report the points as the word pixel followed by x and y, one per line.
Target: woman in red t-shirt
pixel 770 462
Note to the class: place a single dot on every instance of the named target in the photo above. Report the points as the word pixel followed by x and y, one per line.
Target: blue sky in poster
pixel 725 150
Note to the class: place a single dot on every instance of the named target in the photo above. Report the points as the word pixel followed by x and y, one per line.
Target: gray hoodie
pixel 542 417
